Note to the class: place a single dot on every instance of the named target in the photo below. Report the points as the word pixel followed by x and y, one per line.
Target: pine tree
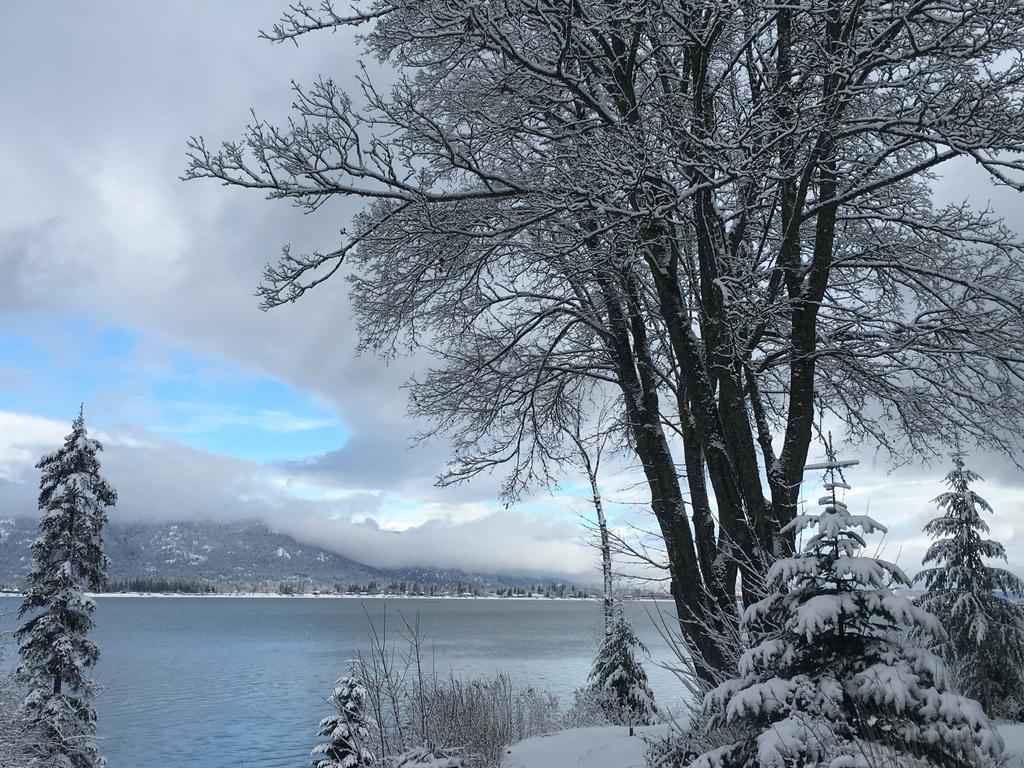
pixel 55 651
pixel 618 674
pixel 346 731
pixel 830 679
pixel 985 642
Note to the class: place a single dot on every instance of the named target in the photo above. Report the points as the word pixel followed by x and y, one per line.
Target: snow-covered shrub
pixel 830 680
pixel 480 717
pixel 17 734
pixel 56 654
pixel 984 644
pixel 411 708
pixel 425 757
pixel 590 707
pixel 686 741
pixel 618 671
pixel 346 731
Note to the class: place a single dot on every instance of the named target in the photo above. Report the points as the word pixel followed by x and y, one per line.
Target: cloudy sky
pixel 132 291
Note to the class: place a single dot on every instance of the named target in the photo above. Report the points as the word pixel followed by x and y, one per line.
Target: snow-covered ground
pixel 1013 735
pixel 604 747
pixel 613 747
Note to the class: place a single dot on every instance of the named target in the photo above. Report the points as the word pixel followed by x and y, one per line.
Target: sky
pixel 132 292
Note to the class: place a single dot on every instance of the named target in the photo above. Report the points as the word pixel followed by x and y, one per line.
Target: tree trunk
pixel 606 550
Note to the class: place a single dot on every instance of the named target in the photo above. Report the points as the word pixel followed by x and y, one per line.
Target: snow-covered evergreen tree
pixel 985 630
pixel 830 679
pixel 56 654
pixel 346 731
pixel 618 674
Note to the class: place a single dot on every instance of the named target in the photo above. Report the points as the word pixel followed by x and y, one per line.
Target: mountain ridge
pixel 228 552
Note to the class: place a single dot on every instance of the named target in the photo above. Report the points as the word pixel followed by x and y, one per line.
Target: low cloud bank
pixel 162 480
pixel 502 542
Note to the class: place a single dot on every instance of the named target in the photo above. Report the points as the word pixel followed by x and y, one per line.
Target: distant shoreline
pixel 331 596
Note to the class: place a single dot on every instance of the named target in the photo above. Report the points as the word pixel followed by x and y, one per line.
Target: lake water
pixel 214 682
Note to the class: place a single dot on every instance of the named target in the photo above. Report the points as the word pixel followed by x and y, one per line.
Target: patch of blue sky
pixel 48 365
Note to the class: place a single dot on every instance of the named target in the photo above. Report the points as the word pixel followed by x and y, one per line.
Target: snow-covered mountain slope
pixel 245 551
pixel 226 552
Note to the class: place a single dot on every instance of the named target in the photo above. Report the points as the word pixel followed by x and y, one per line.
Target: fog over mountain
pixel 240 552
pixel 162 481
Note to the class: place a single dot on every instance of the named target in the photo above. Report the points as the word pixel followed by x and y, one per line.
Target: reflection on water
pixel 214 682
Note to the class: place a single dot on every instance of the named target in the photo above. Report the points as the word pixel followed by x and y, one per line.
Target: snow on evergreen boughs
pixel 18 737
pixel 830 679
pixel 69 559
pixel 985 630
pixel 618 673
pixel 346 731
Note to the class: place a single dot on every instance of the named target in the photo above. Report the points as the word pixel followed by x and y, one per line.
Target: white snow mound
pixel 612 747
pixel 602 747
pixel 1013 735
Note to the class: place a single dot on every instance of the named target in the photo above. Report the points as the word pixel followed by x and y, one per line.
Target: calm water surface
pixel 213 682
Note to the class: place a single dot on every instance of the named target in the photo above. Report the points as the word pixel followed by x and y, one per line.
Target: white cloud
pixel 23 439
pixel 205 417
pixel 499 542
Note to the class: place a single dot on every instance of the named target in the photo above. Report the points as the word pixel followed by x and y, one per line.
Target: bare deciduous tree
pixel 722 209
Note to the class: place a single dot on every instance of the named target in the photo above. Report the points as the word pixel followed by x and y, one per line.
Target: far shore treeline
pixel 299 587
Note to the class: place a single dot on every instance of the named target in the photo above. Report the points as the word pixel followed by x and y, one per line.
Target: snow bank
pixel 612 747
pixel 1013 735
pixel 603 747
